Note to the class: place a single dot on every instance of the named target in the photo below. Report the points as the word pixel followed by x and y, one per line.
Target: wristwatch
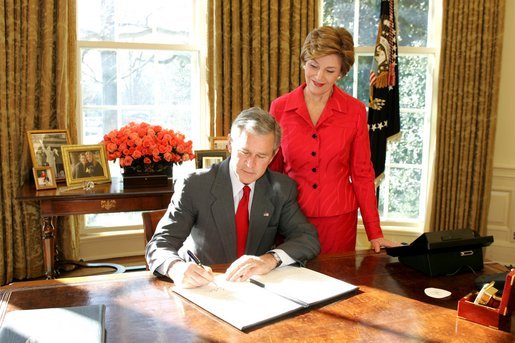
pixel 277 258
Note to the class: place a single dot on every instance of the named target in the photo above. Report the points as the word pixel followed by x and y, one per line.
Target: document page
pixel 245 304
pixel 304 284
pixel 240 304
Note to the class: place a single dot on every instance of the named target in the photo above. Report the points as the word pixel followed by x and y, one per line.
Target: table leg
pixel 48 232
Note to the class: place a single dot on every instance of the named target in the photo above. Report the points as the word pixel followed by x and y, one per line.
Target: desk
pixel 103 198
pixel 390 306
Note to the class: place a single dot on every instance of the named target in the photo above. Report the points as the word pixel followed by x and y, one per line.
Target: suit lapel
pixel 260 213
pixel 222 210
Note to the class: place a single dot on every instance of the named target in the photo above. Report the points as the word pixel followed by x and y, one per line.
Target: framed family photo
pixel 45 150
pixel 218 143
pixel 206 158
pixel 85 163
pixel 44 177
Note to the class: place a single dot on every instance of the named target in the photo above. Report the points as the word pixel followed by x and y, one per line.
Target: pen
pixel 295 300
pixel 194 258
pixel 197 261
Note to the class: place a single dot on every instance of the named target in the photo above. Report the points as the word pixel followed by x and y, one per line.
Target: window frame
pixel 197 45
pixel 406 228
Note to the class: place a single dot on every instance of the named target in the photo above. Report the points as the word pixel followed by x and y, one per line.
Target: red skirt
pixel 337 233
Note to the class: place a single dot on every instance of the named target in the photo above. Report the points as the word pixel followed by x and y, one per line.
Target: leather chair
pixel 150 221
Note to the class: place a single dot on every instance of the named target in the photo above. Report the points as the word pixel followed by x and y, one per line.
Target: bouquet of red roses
pixel 147 148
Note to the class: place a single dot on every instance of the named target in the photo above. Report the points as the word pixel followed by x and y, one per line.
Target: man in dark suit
pixel 201 215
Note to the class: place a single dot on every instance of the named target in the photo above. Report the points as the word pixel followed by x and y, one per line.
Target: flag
pixel 383 107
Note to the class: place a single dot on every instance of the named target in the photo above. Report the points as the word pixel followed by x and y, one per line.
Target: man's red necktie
pixel 242 222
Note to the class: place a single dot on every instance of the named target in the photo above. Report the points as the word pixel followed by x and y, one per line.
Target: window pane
pixel 339 13
pixel 156 21
pixel 364 66
pixel 107 219
pixel 413 21
pixel 408 150
pixel 413 72
pixel 347 82
pixel 400 194
pixel 138 85
pixel 368 21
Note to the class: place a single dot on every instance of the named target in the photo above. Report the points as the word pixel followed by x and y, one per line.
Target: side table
pixel 103 198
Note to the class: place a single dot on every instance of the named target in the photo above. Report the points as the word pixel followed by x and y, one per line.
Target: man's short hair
pixel 258 122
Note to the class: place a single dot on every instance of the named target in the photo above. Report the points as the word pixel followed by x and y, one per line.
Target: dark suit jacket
pixel 200 218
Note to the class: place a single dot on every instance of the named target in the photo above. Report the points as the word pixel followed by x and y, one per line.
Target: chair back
pixel 150 221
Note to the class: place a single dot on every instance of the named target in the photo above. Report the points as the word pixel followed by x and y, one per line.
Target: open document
pixel 265 297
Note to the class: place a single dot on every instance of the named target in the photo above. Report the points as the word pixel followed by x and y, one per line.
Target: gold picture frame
pixel 44 177
pixel 206 158
pixel 218 143
pixel 45 150
pixel 85 163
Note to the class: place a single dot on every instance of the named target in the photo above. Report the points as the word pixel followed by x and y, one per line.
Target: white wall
pixel 501 217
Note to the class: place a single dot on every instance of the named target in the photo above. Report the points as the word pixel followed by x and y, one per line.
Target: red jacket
pixel 330 160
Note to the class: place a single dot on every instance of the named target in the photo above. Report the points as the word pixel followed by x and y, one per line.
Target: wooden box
pixel 144 181
pixel 499 317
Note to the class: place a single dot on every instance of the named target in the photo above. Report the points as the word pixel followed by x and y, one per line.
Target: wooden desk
pixel 103 198
pixel 390 306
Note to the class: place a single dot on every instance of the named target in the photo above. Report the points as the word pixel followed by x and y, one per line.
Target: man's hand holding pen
pixel 195 274
pixel 190 274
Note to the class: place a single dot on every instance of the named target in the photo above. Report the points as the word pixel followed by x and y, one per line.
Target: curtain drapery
pixel 253 54
pixel 38 91
pixel 467 113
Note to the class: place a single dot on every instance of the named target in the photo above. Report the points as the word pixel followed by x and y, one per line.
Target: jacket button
pixel 314 170
pixel 315 186
pixel 313 153
pixel 314 136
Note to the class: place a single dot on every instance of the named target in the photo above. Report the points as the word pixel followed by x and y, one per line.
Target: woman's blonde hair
pixel 328 40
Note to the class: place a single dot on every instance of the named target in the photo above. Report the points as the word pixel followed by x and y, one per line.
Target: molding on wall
pixel 501 220
pixel 503 170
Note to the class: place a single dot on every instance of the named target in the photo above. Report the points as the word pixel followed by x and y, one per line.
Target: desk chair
pixel 150 221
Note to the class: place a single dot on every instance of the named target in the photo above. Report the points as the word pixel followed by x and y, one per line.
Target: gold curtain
pixel 253 53
pixel 467 113
pixel 38 91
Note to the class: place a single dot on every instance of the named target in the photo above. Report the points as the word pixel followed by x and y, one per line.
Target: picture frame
pixel 85 163
pixel 45 150
pixel 44 177
pixel 218 143
pixel 206 158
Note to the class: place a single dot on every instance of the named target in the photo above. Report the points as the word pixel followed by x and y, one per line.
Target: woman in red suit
pixel 325 145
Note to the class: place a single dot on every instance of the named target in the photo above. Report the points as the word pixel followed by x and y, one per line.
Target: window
pixel 403 192
pixel 139 61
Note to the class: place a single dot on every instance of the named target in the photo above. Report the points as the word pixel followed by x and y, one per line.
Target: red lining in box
pixel 499 318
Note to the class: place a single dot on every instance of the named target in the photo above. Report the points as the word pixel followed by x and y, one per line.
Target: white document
pixel 81 324
pixel 244 304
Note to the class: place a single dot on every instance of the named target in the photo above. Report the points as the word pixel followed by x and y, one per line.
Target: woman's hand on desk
pixel 379 243
pixel 246 266
pixel 190 275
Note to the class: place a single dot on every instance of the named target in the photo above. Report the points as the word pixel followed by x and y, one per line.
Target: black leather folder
pixel 444 252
